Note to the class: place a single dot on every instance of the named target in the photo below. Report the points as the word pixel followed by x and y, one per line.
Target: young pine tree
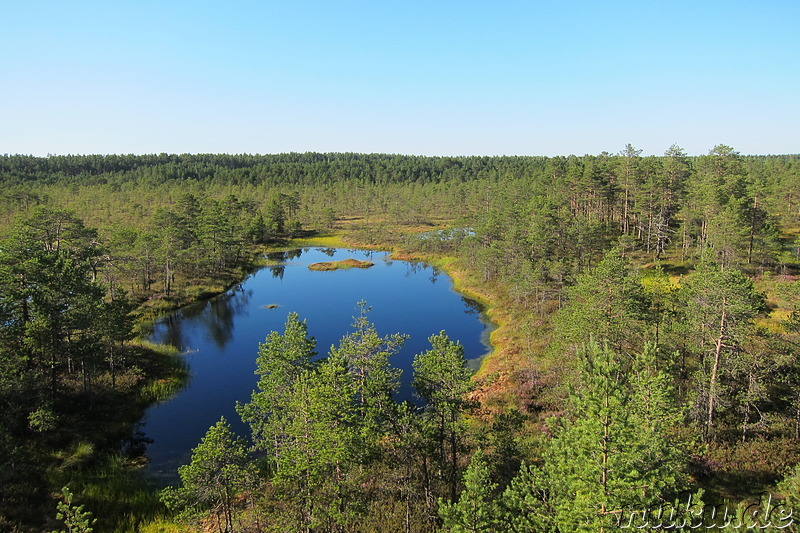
pixel 609 454
pixel 442 379
pixel 476 509
pixel 219 471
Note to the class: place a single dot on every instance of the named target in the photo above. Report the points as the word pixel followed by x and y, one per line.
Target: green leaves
pixel 721 306
pixel 525 504
pixel 366 356
pixel 282 360
pixel 609 303
pixel 219 470
pixel 441 376
pixel 75 518
pixel 475 509
pixel 610 452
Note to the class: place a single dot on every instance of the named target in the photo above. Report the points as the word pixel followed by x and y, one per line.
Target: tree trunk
pixel 453 459
pixel 752 230
pixel 712 385
pixel 113 368
pixel 797 419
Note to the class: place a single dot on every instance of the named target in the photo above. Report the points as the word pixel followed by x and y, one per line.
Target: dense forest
pixel 646 357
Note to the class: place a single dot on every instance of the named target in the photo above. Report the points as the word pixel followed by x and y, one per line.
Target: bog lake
pixel 220 336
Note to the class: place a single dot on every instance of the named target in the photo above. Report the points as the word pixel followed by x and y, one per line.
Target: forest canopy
pixel 648 312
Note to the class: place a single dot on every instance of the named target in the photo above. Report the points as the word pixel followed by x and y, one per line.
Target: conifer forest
pixel 644 372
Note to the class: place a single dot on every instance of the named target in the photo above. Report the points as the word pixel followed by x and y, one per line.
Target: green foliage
pixel 306 418
pixel 367 356
pixel 281 361
pixel 720 308
pixel 475 509
pixel 524 505
pixel 219 471
pixel 609 453
pixel 535 230
pixel 322 446
pixel 442 379
pixel 441 375
pixel 789 487
pixel 42 419
pixel 75 519
pixel 608 302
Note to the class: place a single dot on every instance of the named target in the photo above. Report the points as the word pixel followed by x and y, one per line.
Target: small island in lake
pixel 340 265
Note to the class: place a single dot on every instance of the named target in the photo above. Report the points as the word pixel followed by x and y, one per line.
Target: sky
pixel 411 77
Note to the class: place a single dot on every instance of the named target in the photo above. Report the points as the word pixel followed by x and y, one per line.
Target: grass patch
pixel 163 525
pixel 331 240
pixel 110 487
pixel 782 295
pixel 115 493
pixel 169 370
pixel 340 265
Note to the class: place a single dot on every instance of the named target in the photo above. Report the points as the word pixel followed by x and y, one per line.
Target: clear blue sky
pixel 415 77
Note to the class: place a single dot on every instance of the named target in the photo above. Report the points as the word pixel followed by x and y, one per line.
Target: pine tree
pixel 475 510
pixel 321 445
pixel 282 360
pixel 219 470
pixel 525 504
pixel 442 379
pixel 605 456
pixel 609 303
pixel 75 518
pixel 721 306
pixel 367 355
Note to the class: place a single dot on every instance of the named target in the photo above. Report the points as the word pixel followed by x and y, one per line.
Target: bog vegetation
pixel 647 348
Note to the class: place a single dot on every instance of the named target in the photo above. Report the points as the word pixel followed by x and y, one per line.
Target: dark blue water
pixel 221 336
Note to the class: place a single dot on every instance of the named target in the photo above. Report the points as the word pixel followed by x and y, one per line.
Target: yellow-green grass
pixel 782 296
pixel 164 525
pixel 331 240
pixel 173 373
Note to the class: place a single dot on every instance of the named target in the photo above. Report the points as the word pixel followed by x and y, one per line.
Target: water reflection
pixel 415 267
pixel 284 255
pixel 218 321
pixel 173 332
pixel 217 318
pixel 471 306
pixel 136 445
pixel 277 271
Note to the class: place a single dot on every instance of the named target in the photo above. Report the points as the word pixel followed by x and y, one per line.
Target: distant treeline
pixel 293 168
pixel 317 168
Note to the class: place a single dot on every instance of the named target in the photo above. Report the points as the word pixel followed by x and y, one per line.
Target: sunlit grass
pixel 111 489
pixel 332 240
pixel 782 297
pixel 163 525
pixel 166 350
pixel 110 486
pixel 172 374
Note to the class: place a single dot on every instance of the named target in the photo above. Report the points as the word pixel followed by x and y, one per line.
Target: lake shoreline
pixel 499 363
